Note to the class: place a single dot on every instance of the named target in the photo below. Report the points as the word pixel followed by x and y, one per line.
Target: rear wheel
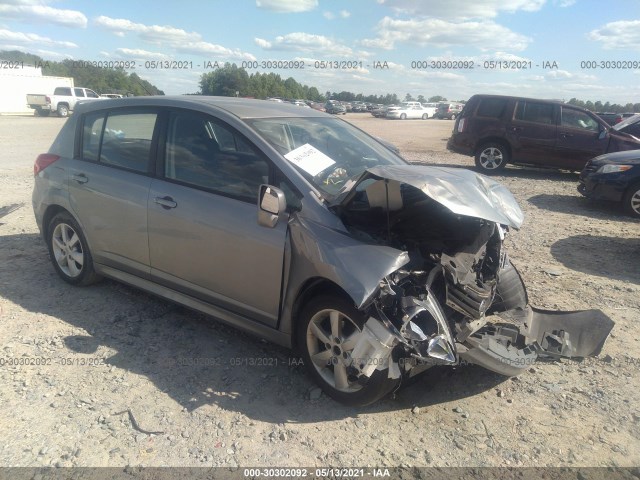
pixel 453 116
pixel 69 251
pixel 329 330
pixel 631 201
pixel 63 110
pixel 403 116
pixel 491 157
pixel 425 116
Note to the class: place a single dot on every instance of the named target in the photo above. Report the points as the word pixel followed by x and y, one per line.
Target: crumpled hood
pixel 460 190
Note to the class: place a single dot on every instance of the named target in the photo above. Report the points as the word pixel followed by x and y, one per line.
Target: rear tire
pixel 453 117
pixel 491 157
pixel 328 327
pixel 631 201
pixel 425 116
pixel 63 111
pixel 403 116
pixel 69 251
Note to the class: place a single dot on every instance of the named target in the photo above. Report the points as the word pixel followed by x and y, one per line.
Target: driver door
pixel 204 238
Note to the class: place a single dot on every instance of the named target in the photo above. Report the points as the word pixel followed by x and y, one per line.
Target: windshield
pixel 327 151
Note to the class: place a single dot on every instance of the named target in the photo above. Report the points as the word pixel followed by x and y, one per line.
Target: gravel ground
pixel 118 377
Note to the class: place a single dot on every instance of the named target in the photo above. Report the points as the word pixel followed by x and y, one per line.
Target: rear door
pixel 579 138
pixel 109 186
pixel 532 133
pixel 204 238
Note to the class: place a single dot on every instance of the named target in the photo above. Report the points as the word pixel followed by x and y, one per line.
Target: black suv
pixel 497 130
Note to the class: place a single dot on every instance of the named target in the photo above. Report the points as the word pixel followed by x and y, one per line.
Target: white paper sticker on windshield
pixel 309 159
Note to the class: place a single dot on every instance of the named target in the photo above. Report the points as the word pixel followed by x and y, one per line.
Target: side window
pixel 577 119
pixel 535 112
pixel 209 154
pixel 91 136
pixel 65 91
pixel 92 94
pixel 491 107
pixel 126 141
pixel 78 92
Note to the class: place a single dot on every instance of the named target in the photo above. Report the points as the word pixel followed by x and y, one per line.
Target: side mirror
pixel 272 204
pixel 603 132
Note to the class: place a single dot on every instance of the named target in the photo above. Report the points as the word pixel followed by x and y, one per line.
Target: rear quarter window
pixel 491 107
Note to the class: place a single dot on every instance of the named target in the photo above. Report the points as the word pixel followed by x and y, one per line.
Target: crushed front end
pixel 458 298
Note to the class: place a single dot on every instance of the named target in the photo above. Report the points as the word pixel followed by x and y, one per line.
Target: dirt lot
pixel 109 350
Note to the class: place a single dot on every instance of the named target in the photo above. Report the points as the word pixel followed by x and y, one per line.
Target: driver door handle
pixel 166 202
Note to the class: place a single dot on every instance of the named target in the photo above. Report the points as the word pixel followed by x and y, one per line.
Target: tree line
pixel 231 80
pixel 85 74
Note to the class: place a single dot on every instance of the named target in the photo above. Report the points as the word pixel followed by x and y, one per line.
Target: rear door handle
pixel 80 177
pixel 566 135
pixel 516 129
pixel 165 202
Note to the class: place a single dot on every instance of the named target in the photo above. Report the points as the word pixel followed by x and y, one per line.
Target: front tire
pixel 425 116
pixel 631 201
pixel 491 157
pixel 329 329
pixel 403 116
pixel 69 251
pixel 453 117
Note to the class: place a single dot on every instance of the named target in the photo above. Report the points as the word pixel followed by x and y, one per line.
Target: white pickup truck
pixel 62 101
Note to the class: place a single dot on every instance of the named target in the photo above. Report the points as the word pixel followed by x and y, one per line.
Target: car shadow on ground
pixel 610 257
pixel 188 356
pixel 577 205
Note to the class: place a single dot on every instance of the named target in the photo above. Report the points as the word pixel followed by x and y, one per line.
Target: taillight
pixel 47 99
pixel 43 161
pixel 461 123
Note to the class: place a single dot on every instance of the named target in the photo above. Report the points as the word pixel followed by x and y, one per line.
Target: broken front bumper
pixel 511 341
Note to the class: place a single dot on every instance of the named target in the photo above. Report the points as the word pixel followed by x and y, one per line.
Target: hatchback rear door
pixel 109 185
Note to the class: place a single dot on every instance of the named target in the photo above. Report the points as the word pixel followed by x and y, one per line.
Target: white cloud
pixel 464 9
pixel 138 53
pixel 441 33
pixel 305 42
pixel 287 6
pixel 345 13
pixel 623 34
pixel 206 48
pixel 564 3
pixel 178 39
pixel 328 15
pixel 35 13
pixel 32 39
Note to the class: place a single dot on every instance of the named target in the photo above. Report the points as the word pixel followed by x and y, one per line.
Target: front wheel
pixel 403 116
pixel 453 117
pixel 69 251
pixel 491 157
pixel 329 330
pixel 631 201
pixel 425 116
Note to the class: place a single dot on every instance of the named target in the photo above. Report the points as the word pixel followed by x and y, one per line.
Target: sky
pixel 586 49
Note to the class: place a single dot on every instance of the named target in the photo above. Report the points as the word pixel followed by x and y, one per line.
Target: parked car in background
pixel 62 101
pixel 449 110
pixel 610 118
pixel 629 114
pixel 335 108
pixel 630 125
pixel 614 177
pixel 431 108
pixel 303 230
pixel 498 130
pixel 407 110
pixel 111 95
pixel 318 106
pixel 379 111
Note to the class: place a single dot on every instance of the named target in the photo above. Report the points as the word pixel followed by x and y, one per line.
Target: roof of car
pixel 240 107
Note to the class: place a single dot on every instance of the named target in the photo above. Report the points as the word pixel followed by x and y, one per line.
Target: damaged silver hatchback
pixel 302 229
